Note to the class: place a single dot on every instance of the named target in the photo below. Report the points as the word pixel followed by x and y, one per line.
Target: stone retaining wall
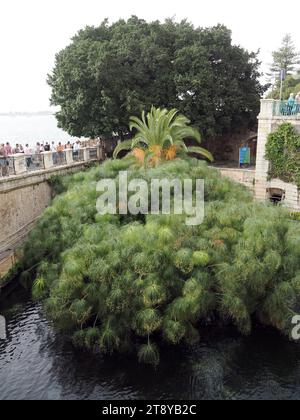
pixel 242 176
pixel 23 199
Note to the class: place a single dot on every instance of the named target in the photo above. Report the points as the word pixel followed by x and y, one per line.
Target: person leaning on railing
pixel 291 104
pixel 54 153
pixel 47 147
pixel 76 148
pixel 3 161
pixel 60 151
pixel 28 155
pixel 16 150
pixel 8 149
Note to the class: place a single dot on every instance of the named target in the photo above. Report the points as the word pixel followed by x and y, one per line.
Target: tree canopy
pixel 111 72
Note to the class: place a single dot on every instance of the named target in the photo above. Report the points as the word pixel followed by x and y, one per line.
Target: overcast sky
pixel 32 31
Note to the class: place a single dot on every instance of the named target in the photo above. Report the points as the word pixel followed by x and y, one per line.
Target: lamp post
pixel 282 79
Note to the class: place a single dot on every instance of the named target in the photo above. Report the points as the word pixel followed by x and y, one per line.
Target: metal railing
pixel 286 108
pixel 10 166
pixel 6 166
pixel 59 158
pixel 78 155
pixel 93 153
pixel 34 162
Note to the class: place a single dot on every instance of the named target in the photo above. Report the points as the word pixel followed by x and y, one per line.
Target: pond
pixel 38 363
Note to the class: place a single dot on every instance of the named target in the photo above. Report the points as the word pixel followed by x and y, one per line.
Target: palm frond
pixel 201 151
pixel 125 145
pixel 161 129
pixel 139 139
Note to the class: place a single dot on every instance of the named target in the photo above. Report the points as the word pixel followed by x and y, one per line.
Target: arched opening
pixel 276 195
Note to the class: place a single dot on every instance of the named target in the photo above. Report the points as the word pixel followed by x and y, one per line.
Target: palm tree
pixel 161 136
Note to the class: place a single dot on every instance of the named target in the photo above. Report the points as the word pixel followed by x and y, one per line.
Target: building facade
pixel 270 118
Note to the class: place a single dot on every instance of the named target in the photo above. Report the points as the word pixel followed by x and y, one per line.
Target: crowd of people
pixel 34 153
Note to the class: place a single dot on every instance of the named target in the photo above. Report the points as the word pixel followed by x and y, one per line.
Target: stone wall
pixel 19 209
pixel 242 176
pixel 23 199
pixel 7 261
pixel 226 148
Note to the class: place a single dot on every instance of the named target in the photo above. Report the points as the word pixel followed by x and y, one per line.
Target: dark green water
pixel 37 363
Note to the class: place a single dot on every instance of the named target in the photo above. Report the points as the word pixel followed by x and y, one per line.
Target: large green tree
pixel 114 71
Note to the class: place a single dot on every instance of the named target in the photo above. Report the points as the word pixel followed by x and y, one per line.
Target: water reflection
pixel 37 363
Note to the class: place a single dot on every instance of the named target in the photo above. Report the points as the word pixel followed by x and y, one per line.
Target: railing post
pixel 267 109
pixel 69 156
pixel 48 159
pixel 100 153
pixel 19 164
pixel 86 154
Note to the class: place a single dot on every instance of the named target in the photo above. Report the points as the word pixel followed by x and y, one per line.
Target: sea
pixel 30 129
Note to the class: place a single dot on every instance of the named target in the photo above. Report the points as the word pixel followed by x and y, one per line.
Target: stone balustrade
pixel 20 163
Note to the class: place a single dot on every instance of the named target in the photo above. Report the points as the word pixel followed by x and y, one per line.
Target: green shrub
pixel 295 216
pixel 283 152
pixel 200 258
pixel 120 284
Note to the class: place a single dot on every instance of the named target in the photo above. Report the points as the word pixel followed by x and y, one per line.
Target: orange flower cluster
pixel 167 154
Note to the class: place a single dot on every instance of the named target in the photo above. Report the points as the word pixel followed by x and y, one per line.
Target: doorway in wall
pixel 276 195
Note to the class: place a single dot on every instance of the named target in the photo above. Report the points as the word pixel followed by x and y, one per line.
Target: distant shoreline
pixel 27 114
